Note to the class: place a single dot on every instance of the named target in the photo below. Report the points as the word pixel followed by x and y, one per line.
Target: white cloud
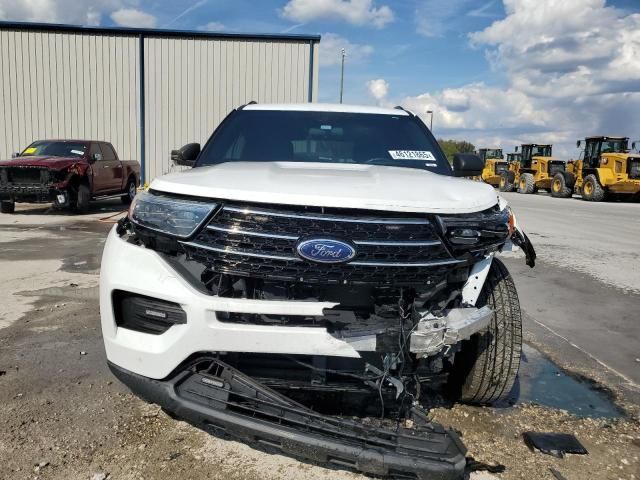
pixel 378 89
pixel 332 45
pixel 212 27
pixel 88 12
pixel 355 12
pixel 132 17
pixel 572 69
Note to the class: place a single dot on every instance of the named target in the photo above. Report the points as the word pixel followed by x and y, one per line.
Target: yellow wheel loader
pixel 507 178
pixel 535 170
pixel 606 167
pixel 494 165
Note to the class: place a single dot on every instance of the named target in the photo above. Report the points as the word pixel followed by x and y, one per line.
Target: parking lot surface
pixel 64 416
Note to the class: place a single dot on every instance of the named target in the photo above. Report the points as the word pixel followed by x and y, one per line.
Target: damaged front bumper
pixel 218 398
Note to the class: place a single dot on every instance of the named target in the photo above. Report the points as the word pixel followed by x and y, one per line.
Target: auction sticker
pixel 412 155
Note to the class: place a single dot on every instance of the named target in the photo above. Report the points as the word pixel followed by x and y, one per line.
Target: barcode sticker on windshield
pixel 412 155
pixel 77 152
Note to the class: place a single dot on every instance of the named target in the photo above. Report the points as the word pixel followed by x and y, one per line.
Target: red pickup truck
pixel 69 173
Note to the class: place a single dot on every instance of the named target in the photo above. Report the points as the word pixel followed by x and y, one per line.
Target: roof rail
pixel 252 102
pixel 400 107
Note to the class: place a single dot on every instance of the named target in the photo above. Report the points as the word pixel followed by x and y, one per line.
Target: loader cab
pixel 493 153
pixel 531 150
pixel 595 147
pixel 513 157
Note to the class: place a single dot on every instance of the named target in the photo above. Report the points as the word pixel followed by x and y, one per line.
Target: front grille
pixel 260 242
pixel 555 167
pixel 634 168
pixel 27 175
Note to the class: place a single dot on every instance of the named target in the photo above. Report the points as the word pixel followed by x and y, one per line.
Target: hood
pixel 54 163
pixel 332 185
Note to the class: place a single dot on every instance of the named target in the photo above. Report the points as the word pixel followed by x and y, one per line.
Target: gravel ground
pixel 65 417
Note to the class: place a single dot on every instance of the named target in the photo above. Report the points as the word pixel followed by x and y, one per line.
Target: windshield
pixel 54 148
pixel 619 145
pixel 494 153
pixel 326 137
pixel 541 151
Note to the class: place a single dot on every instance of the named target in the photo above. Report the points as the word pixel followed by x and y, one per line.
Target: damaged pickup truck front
pixel 319 263
pixel 68 173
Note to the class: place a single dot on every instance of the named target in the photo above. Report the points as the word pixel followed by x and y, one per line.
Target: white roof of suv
pixel 326 107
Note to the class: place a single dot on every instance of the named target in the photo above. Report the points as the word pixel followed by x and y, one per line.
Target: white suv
pixel 317 259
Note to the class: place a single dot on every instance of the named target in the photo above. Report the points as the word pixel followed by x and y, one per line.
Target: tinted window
pixel 55 148
pixel 327 137
pixel 95 149
pixel 108 152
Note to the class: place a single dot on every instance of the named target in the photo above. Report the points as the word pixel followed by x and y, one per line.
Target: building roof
pixel 612 137
pixel 326 107
pixel 153 32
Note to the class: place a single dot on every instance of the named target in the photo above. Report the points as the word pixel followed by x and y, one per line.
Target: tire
pixel 83 196
pixel 559 187
pixel 7 206
pixel 526 184
pixel 485 368
pixel 506 182
pixel 592 191
pixel 131 190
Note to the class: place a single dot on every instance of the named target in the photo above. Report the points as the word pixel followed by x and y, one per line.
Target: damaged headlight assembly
pixel 175 216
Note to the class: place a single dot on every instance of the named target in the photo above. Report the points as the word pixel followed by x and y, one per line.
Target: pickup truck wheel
pixel 485 368
pixel 131 192
pixel 83 196
pixel 7 206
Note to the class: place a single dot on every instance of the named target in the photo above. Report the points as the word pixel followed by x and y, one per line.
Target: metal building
pixel 146 91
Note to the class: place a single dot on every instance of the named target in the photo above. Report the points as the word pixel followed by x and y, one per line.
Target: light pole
pixel 430 112
pixel 342 75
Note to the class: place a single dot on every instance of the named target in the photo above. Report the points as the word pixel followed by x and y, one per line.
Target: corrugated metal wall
pixel 87 85
pixel 64 85
pixel 208 78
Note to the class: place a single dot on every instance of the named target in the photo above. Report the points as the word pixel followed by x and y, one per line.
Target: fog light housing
pixel 146 314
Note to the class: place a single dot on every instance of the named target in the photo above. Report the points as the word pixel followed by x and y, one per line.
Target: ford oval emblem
pixel 325 250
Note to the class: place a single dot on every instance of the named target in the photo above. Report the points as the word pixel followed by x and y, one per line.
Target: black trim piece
pixel 220 399
pixel 143 135
pixel 311 53
pixel 153 32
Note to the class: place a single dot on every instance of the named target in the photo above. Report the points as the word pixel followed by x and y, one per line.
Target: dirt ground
pixel 64 416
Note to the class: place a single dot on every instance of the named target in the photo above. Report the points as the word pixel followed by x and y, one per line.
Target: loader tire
pixel 526 184
pixel 7 206
pixel 506 182
pixel 485 368
pixel 559 187
pixel 592 191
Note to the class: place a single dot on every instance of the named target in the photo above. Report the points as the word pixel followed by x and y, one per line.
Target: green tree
pixel 451 147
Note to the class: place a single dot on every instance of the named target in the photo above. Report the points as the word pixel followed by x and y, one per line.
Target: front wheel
pixel 83 197
pixel 131 190
pixel 592 191
pixel 7 206
pixel 526 184
pixel 506 182
pixel 485 368
pixel 559 187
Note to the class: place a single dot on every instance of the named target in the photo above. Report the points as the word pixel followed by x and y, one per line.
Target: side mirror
pixel 15 155
pixel 95 157
pixel 186 155
pixel 467 165
pixel 578 143
pixel 633 145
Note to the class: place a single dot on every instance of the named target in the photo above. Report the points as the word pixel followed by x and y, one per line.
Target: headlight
pixel 477 231
pixel 174 216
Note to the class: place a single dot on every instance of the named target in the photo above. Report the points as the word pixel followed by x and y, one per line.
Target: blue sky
pixel 495 72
